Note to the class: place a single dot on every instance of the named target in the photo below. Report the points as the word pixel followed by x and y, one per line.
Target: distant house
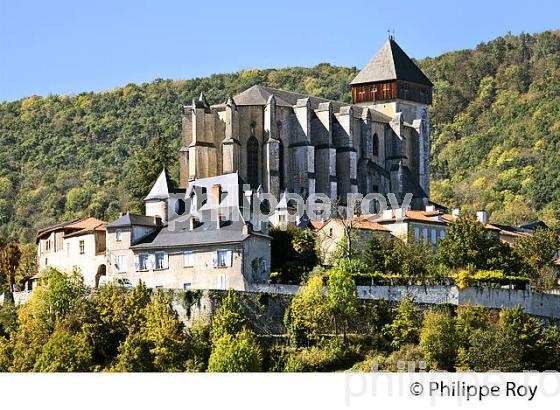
pixel 332 235
pixel 77 243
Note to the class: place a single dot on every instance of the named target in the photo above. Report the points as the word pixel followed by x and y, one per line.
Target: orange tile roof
pixel 90 223
pixel 84 226
pixel 361 223
pixel 316 225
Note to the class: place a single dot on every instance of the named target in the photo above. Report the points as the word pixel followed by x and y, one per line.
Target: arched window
pixel 253 162
pixel 375 145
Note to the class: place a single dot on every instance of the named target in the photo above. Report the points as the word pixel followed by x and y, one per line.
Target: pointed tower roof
pixel 161 188
pixel 391 63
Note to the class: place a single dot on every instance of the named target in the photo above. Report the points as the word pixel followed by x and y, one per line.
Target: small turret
pixel 158 198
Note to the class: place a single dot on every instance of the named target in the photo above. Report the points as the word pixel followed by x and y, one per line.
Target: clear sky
pixel 72 46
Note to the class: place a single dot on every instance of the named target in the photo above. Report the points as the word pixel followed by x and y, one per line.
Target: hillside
pixel 495 126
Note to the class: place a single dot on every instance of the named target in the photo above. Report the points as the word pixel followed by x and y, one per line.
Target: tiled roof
pixel 75 227
pixel 51 228
pixel 359 223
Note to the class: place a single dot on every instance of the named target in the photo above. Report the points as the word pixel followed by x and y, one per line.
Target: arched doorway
pixel 101 271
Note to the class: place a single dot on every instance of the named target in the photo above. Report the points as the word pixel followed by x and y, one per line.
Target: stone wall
pixel 265 305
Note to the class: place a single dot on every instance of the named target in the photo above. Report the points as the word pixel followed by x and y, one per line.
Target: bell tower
pixel 391 83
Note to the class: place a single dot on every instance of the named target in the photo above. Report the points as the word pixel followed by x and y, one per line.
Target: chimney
pixel 216 194
pixel 430 208
pixel 192 223
pixel 456 212
pixel 220 221
pixel 246 229
pixel 157 220
pixel 482 217
pixel 400 213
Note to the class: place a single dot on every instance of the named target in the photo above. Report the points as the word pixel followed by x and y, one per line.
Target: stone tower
pixel 391 83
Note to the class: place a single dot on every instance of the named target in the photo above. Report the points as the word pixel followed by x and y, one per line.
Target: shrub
pixel 405 327
pixel 229 319
pixel 438 340
pixel 327 357
pixel 308 314
pixel 235 353
pixel 65 352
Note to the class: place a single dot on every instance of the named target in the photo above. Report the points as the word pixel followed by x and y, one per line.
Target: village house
pixel 79 243
pixel 209 246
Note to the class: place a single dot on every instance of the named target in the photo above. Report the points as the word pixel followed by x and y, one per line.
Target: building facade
pixel 279 140
pixel 79 243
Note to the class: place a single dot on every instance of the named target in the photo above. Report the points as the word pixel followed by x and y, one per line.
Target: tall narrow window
pixel 375 145
pixel 82 247
pixel 253 162
pixel 281 165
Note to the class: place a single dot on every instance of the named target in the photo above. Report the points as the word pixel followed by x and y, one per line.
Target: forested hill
pixel 495 135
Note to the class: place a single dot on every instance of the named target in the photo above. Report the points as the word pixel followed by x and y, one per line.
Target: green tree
pixel 468 244
pixel 308 313
pixel 235 353
pixel 199 346
pixel 65 352
pixel 160 344
pixel 147 165
pixel 342 297
pixel 537 347
pixel 405 327
pixel 165 333
pixel 537 252
pixel 9 261
pixel 491 350
pixel 375 253
pixel 438 340
pixel 229 319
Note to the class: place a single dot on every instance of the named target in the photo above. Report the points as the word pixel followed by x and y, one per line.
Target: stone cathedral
pixel 283 141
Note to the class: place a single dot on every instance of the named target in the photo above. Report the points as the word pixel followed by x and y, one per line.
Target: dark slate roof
pixel 205 233
pixel 391 63
pixel 531 226
pixel 132 219
pixel 259 95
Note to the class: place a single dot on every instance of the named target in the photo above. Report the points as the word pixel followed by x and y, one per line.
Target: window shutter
pixel 137 262
pixel 165 261
pixel 151 261
pixel 229 258
pixel 216 260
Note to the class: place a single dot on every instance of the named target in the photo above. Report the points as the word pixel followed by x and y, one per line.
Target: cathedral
pixel 284 141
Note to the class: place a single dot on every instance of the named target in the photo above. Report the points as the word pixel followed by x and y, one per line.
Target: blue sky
pixel 68 47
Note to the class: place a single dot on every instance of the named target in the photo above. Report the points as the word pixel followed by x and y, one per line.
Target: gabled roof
pixel 55 227
pixel 74 227
pixel 259 95
pixel 391 63
pixel 359 223
pixel 85 226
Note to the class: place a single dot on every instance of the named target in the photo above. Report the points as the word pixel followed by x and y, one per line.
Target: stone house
pixel 332 235
pixel 209 246
pixel 77 243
